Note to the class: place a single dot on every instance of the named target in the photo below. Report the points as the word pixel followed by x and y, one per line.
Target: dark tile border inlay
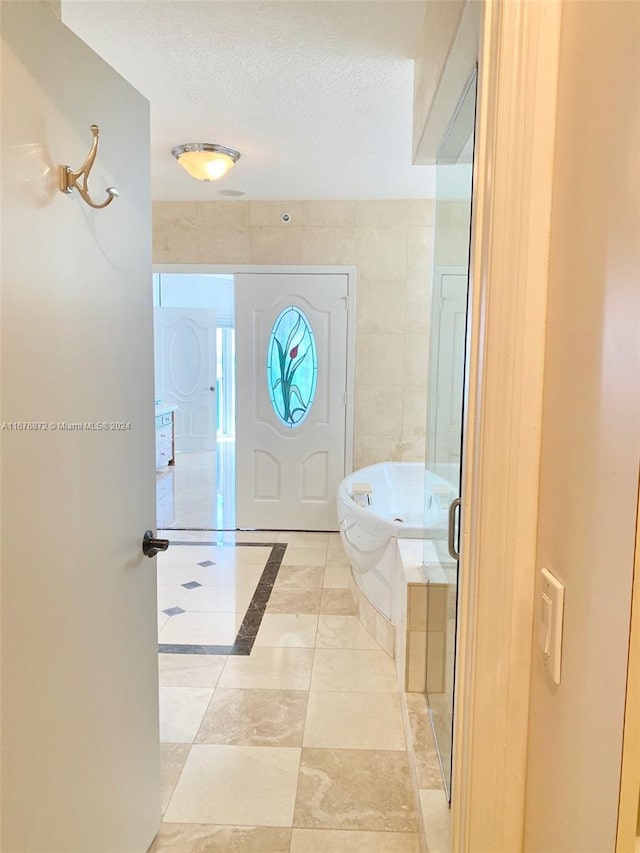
pixel 246 636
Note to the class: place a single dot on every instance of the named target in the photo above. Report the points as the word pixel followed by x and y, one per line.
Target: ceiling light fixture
pixel 204 160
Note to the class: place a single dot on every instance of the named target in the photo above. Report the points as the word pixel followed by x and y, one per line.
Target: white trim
pixel 315 269
pixel 459 66
pixel 434 348
pixel 508 284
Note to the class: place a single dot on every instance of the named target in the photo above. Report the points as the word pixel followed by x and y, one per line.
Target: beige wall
pixel 591 431
pixel 390 244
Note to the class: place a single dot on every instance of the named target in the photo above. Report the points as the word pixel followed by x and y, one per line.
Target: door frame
pixel 315 269
pixel 513 186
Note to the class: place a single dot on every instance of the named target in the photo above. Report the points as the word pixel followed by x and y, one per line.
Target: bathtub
pixel 406 502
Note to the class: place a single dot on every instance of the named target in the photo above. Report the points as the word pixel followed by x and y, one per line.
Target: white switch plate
pixel 551 604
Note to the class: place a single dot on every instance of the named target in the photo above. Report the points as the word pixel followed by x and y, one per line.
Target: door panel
pixel 287 475
pixel 80 751
pixel 185 358
pixel 452 237
pixel 450 327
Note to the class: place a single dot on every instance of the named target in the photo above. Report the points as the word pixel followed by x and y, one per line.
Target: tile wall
pixel 390 243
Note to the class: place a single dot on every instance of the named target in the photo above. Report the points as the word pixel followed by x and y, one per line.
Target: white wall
pixel 591 431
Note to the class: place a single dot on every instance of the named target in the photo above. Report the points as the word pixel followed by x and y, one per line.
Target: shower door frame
pixel 513 161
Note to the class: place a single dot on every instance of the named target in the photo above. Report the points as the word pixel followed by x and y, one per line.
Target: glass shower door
pixel 452 232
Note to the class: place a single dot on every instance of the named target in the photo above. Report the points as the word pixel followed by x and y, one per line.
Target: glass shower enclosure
pixel 445 396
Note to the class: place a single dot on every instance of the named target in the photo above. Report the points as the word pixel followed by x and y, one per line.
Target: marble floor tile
pixel 203 838
pixel 287 629
pixel 342 720
pixel 179 572
pixel 352 841
pixel 337 602
pixel 294 601
pixel 181 712
pixel 186 535
pixel 337 577
pixel 304 538
pixel 335 552
pixel 237 785
pixel 299 577
pixel 437 820
pixel 170 595
pixel 355 670
pixel 172 759
pixel 305 555
pixel 428 770
pixel 222 575
pixel 244 717
pixel 190 670
pixel 239 556
pixel 354 789
pixel 343 632
pixel 207 629
pixel 219 599
pixel 266 536
pixel 337 561
pixel 270 668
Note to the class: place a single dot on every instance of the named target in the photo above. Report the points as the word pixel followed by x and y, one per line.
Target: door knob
pixel 212 388
pixel 151 545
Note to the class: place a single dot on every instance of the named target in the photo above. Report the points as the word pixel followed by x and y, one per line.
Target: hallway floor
pixel 198 491
pixel 280 717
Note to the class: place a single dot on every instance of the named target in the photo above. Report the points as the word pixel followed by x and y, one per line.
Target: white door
pixel 291 410
pixel 80 751
pixel 448 349
pixel 185 358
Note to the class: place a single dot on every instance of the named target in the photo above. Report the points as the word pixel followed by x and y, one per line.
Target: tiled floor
pixel 293 741
pixel 198 491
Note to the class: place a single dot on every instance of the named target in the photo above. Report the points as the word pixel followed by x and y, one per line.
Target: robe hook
pixel 70 179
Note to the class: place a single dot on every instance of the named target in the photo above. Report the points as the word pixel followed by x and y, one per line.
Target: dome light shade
pixel 204 160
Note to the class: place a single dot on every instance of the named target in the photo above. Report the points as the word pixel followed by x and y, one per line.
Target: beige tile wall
pixel 390 244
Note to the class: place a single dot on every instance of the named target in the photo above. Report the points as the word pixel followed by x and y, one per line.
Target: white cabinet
pixel 165 438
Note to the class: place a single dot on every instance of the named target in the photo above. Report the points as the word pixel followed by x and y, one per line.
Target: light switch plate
pixel 551 604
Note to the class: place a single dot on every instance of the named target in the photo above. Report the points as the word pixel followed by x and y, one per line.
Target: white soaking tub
pixel 404 502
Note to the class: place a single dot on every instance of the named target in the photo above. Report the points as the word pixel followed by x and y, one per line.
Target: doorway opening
pixel 194 352
pixel 217 421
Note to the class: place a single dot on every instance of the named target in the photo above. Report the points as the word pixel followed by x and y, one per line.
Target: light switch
pixel 550 628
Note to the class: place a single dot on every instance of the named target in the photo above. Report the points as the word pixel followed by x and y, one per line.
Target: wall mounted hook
pixel 70 179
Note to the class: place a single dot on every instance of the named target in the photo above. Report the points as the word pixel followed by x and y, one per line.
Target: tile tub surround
pixel 418 633
pixel 389 242
pixel 292 748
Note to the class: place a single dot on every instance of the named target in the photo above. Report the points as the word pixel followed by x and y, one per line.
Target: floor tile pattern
pixel 231 631
pixel 296 745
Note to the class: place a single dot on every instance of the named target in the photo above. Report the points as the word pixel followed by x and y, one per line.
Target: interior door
pixel 291 410
pixel 80 751
pixel 185 359
pixel 450 315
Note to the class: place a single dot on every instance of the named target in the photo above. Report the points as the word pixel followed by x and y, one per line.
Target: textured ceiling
pixel 317 96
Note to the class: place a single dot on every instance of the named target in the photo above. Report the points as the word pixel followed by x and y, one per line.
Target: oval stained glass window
pixel 292 366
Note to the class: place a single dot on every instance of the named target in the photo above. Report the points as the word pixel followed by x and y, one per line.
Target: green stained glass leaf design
pixel 292 354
